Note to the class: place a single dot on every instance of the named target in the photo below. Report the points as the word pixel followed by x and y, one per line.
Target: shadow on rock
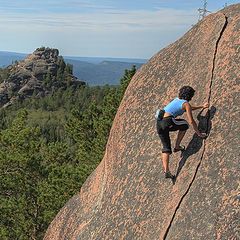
pixel 204 125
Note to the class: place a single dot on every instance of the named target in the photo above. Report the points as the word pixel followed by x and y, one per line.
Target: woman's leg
pixel 179 138
pixel 165 161
pixel 182 126
pixel 163 133
pixel 166 150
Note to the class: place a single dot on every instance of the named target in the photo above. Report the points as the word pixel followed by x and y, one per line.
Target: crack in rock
pixel 204 141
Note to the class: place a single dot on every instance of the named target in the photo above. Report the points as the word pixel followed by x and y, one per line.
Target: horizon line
pixel 69 56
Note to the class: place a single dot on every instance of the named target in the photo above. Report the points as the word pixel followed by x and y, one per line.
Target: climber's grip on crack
pixel 188 108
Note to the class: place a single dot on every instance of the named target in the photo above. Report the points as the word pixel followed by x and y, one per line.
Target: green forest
pixel 48 147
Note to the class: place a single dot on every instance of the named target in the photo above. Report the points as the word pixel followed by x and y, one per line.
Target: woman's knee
pixel 167 150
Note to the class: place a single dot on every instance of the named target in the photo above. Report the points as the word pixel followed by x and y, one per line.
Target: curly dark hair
pixel 186 93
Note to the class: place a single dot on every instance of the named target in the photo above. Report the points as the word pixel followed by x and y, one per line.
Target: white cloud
pixel 53 5
pixel 108 32
pixel 106 20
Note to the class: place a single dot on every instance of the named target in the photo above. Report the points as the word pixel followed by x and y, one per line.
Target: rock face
pixel 29 76
pixel 126 197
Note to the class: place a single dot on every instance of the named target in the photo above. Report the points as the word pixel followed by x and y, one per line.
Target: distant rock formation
pixel 38 74
pixel 127 197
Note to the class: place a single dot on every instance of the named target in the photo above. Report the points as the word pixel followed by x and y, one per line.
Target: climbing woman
pixel 167 122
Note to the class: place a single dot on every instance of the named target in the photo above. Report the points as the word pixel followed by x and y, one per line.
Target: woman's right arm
pixel 191 121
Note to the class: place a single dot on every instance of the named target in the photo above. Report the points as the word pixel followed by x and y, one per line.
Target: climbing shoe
pixel 169 175
pixel 181 148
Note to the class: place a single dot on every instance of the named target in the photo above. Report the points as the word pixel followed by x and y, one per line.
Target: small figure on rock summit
pixel 167 122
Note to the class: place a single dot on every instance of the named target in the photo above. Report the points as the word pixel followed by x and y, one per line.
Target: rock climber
pixel 167 122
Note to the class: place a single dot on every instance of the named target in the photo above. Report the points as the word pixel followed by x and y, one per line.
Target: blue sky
pixel 106 28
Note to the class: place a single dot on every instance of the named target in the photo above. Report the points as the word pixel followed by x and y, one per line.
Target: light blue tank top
pixel 175 107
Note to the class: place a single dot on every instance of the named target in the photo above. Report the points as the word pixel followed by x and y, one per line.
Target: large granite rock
pixel 126 197
pixel 27 77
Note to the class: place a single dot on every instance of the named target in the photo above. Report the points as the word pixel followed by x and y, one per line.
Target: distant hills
pixel 7 58
pixel 92 70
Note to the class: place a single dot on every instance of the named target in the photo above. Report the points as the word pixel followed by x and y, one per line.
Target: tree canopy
pixel 48 147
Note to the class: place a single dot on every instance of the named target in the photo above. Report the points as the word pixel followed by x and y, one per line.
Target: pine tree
pixel 125 80
pixel 20 172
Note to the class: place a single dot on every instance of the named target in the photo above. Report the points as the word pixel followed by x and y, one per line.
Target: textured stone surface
pixel 127 197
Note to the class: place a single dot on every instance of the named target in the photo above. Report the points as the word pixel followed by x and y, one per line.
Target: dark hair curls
pixel 186 93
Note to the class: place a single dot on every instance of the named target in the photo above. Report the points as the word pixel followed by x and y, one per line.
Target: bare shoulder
pixel 187 106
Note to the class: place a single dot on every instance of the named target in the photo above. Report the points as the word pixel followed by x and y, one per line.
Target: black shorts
pixel 167 125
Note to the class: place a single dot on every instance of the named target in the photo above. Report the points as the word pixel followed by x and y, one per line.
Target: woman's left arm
pixel 205 105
